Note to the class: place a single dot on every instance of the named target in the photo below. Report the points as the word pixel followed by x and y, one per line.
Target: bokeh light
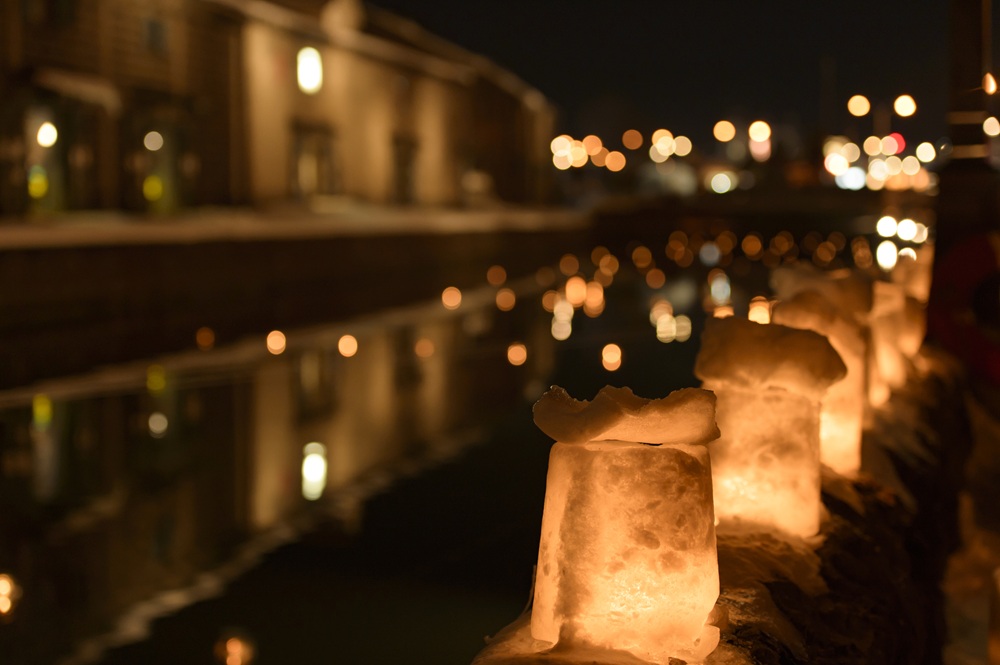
pixel 632 139
pixel 451 297
pixel 724 131
pixel 759 131
pixel 904 106
pixel 615 161
pixel 152 141
pixel 347 345
pixel 47 135
pixel 517 354
pixel 276 342
pixel 858 105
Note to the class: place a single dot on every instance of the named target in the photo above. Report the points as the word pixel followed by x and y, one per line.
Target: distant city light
pixel 911 165
pixel 926 152
pixel 561 144
pixel 424 348
pixel 851 152
pixel 611 357
pixel 886 255
pixel 276 342
pixel 858 105
pixel 314 467
pixel 991 126
pixel 152 188
pixel 505 299
pixel 451 297
pixel 904 106
pixel 836 164
pixel 906 230
pixel 347 345
pixel 889 145
pixel 615 161
pixel 600 157
pixel 562 160
pixel 310 70
pixel 157 424
pixel 496 275
pixel 153 141
pixel 872 146
pixel 47 135
pixel 724 131
pixel 517 354
pixel 569 265
pixel 886 226
pixel 592 144
pixel 632 139
pixel 852 179
pixel 720 183
pixel 759 131
pixel 682 146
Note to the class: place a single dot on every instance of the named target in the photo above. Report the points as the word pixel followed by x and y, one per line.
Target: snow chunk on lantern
pixel 849 291
pixel 768 380
pixel 842 408
pixel 627 558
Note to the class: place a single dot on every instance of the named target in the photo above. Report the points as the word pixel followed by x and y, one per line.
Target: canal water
pixel 368 491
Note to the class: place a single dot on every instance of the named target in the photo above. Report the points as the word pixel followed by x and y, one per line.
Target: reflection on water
pixel 133 480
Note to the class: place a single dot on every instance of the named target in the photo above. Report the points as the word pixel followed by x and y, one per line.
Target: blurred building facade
pixel 154 106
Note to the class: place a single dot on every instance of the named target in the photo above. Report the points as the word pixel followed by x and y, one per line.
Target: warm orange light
pixel 904 106
pixel 609 264
pixel 642 257
pixel 424 348
pixel 505 300
pixel 724 131
pixel 276 342
pixel 627 557
pixel 204 337
pixel 752 245
pixel 600 158
pixel 561 144
pixel 656 278
pixel 615 161
pixel 496 275
pixel 451 297
pixel 569 264
pixel 347 345
pixel 549 301
pixel 632 139
pixel 760 310
pixel 6 604
pixel 576 290
pixel 989 83
pixel 592 144
pixel 517 354
pixel 765 466
pixel 682 146
pixel 858 105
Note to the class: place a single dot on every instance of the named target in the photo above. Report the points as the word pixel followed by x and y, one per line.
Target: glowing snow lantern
pixel 769 380
pixel 627 559
pixel 842 410
pixel 888 326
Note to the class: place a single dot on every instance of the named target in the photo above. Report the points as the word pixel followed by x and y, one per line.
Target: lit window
pixel 310 70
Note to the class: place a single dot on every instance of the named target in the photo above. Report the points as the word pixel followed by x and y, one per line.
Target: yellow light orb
pixel 926 152
pixel 904 106
pixel 561 144
pixel 682 146
pixel 451 297
pixel 347 345
pixel 724 131
pixel 759 131
pixel 47 135
pixel 615 161
pixel 858 105
pixel 989 83
pixel 991 126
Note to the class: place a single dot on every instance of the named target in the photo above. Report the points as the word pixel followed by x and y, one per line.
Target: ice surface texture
pixel 739 353
pixel 683 416
pixel 627 557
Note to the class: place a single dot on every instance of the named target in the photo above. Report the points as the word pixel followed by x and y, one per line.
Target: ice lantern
pixel 627 558
pixel 842 410
pixel 769 380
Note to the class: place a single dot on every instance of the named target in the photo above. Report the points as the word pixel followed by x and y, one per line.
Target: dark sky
pixel 683 64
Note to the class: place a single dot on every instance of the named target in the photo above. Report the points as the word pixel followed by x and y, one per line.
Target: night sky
pixel 683 64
